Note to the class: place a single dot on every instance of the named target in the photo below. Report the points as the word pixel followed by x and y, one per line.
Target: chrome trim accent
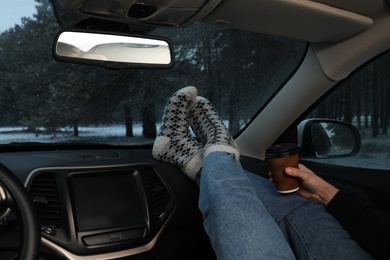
pixel 113 255
pixel 3 197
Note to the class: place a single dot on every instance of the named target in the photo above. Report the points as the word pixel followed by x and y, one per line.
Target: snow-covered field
pixel 375 152
pixel 111 134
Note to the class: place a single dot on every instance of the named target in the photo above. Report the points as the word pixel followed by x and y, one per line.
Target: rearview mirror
pixel 112 50
pixel 327 138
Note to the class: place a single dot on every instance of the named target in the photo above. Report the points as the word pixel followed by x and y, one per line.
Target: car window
pixel 363 100
pixel 42 100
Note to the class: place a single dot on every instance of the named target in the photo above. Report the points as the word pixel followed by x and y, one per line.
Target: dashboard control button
pixel 48 230
pixel 96 239
pixel 133 234
pixel 115 236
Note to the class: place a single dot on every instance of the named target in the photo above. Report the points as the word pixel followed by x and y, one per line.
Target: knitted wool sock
pixel 174 143
pixel 209 127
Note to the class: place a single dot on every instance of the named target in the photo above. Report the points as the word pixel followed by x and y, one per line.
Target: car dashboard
pixel 111 204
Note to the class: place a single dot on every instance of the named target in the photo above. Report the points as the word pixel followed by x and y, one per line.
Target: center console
pixel 98 210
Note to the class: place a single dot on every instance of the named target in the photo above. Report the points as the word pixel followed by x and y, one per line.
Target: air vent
pixel 45 196
pixel 159 197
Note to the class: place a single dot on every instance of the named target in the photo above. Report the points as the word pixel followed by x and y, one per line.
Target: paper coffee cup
pixel 278 158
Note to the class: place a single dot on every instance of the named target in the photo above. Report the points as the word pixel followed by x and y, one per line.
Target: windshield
pixel 43 100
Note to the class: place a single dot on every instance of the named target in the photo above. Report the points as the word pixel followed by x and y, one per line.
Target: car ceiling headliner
pixel 320 21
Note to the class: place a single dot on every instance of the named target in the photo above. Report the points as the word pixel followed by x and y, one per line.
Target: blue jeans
pixel 245 218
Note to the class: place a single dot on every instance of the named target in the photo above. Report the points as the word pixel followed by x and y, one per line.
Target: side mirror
pixel 116 51
pixel 327 138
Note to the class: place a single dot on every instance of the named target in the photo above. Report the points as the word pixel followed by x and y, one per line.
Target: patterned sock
pixel 210 129
pixel 174 143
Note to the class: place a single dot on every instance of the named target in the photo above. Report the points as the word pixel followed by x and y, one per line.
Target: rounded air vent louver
pixel 44 194
pixel 160 200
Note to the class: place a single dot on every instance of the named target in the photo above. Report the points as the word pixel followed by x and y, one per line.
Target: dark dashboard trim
pixel 83 167
pixel 101 255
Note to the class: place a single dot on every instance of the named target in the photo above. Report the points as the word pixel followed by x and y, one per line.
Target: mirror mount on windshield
pixel 112 50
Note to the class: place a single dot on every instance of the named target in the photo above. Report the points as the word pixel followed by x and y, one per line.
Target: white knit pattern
pixel 210 129
pixel 174 143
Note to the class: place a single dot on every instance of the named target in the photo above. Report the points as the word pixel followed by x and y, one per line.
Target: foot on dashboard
pixel 210 129
pixel 174 142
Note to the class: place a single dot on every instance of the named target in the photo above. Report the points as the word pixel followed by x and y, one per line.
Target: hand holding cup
pixel 279 157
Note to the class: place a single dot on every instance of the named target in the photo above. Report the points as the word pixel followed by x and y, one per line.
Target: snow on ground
pixel 111 134
pixel 375 152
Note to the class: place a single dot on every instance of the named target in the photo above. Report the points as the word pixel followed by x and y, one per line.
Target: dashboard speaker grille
pixel 44 194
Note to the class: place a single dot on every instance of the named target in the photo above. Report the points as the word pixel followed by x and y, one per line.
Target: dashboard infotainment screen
pixel 105 200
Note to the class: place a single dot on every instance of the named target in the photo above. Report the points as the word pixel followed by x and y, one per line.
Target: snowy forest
pixel 38 92
pixel 227 66
pixel 362 99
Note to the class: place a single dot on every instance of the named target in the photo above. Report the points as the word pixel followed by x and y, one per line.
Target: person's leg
pixel 312 232
pixel 174 143
pixel 210 129
pixel 235 219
